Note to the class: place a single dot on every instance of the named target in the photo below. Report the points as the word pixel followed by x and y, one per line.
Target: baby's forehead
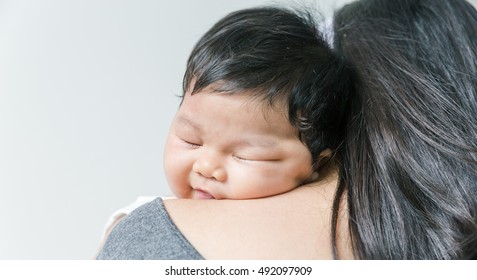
pixel 246 103
pixel 260 106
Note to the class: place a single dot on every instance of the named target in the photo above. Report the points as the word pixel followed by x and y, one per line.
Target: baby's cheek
pixel 176 179
pixel 174 168
pixel 282 179
pixel 251 182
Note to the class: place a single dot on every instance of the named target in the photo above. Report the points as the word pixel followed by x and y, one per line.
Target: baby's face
pixel 232 147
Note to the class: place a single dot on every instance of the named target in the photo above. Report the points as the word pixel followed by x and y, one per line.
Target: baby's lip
pixel 202 194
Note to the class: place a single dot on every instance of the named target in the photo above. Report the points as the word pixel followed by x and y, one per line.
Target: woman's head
pixel 410 163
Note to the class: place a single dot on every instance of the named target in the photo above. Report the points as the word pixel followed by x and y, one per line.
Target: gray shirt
pixel 148 233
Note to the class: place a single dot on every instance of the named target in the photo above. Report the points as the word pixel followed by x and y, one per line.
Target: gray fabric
pixel 148 233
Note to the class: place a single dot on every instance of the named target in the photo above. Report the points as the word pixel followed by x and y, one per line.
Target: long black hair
pixel 409 169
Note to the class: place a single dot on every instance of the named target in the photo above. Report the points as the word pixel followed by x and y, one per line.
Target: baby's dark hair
pixel 279 55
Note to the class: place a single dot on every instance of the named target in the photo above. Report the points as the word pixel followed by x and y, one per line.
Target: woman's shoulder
pixel 294 225
pixel 147 233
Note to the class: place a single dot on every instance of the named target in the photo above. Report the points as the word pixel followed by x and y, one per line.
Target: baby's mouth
pixel 201 194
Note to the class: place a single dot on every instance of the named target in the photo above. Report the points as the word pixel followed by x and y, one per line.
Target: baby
pixel 251 122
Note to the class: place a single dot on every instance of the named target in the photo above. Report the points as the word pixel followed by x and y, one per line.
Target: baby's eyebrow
pixel 186 121
pixel 260 142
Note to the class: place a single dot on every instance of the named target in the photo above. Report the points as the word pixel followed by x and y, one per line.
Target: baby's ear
pixel 323 158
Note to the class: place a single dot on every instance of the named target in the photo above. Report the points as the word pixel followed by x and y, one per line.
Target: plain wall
pixel 87 91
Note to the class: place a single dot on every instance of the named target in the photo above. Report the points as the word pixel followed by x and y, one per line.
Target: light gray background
pixel 87 91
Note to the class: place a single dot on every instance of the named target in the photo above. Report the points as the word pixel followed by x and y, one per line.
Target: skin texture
pixel 231 146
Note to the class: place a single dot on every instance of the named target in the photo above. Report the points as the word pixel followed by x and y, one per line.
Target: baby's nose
pixel 210 166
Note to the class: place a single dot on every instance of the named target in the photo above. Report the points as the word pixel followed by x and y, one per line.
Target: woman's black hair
pixel 279 56
pixel 409 169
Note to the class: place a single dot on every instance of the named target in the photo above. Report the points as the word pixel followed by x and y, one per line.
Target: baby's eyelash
pixel 191 145
pixel 239 158
pixel 257 159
